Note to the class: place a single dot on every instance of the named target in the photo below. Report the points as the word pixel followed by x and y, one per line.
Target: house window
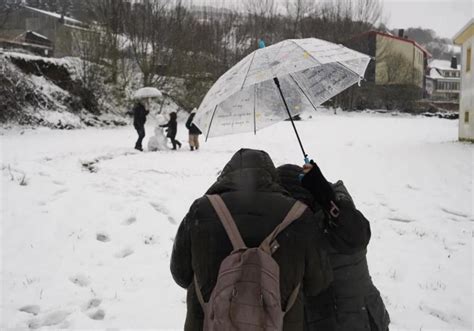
pixel 468 59
pixel 466 117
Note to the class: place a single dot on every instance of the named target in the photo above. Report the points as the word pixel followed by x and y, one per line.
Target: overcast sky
pixel 445 17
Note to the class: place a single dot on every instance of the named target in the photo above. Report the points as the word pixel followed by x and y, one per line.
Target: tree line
pixel 180 39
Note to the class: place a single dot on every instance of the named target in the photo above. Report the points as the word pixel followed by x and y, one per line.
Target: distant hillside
pixel 440 48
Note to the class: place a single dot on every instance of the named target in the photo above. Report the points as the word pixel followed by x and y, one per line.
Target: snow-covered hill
pixel 41 91
pixel 87 224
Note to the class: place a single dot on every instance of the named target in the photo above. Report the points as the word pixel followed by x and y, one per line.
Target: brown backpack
pixel 247 292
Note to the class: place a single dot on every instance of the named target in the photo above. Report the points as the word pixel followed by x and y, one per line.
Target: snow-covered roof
pixel 37 34
pixel 55 15
pixel 442 65
pixel 454 48
pixel 435 74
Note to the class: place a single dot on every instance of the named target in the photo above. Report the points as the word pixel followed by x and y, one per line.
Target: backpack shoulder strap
pixel 227 221
pixel 269 245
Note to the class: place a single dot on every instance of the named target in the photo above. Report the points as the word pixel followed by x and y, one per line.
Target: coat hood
pixel 248 170
pixel 289 176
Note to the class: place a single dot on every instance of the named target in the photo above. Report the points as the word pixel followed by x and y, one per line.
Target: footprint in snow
pixel 401 220
pixel 30 309
pixel 92 303
pixel 129 221
pixel 51 319
pixel 454 213
pixel 60 192
pixel 162 210
pixel 411 187
pixel 80 280
pixel 98 315
pixel 150 240
pixel 124 253
pixel 103 237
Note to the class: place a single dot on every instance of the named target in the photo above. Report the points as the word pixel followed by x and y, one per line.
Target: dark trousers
pixel 175 142
pixel 141 134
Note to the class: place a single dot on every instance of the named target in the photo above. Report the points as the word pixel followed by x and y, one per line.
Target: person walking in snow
pixel 352 302
pixel 172 130
pixel 194 132
pixel 139 120
pixel 248 185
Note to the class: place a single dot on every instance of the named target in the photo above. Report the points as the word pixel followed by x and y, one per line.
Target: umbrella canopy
pixel 310 72
pixel 147 92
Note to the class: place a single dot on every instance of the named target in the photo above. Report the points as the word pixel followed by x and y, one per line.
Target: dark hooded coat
pixel 193 129
pixel 248 185
pixel 139 115
pixel 172 126
pixel 352 302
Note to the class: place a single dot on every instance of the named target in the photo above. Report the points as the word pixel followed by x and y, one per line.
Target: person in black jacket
pixel 352 302
pixel 248 185
pixel 139 119
pixel 194 132
pixel 172 130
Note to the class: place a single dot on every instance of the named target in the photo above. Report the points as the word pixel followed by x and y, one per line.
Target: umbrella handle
pixel 306 161
pixel 277 83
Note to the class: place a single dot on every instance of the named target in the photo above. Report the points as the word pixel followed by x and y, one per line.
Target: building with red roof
pixel 398 60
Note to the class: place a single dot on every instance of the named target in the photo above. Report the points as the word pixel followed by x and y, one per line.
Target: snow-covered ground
pixel 87 223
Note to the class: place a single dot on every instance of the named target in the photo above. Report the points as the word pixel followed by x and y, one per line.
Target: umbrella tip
pixel 261 43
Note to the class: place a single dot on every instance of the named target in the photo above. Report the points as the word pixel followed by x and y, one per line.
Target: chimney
pixel 401 32
pixel 454 62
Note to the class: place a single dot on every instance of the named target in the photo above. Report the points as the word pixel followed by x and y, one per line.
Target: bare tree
pixel 109 16
pixel 145 27
pixel 260 20
pixel 296 10
pixel 89 45
pixel 7 7
pixel 397 69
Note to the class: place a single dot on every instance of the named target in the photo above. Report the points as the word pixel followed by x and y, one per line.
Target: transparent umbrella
pixel 276 83
pixel 147 92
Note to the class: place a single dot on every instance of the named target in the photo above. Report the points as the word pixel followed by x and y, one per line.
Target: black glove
pixel 321 190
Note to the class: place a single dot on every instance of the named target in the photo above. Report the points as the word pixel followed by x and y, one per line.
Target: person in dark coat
pixel 248 185
pixel 194 132
pixel 139 119
pixel 172 130
pixel 352 302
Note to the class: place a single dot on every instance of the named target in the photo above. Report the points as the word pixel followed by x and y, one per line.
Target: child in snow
pixel 172 130
pixel 194 131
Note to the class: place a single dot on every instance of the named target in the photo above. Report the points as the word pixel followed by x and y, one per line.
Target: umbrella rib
pixel 254 109
pixel 210 123
pixel 302 91
pixel 248 70
pixel 275 57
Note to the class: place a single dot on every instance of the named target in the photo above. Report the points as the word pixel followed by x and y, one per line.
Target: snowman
pixel 158 141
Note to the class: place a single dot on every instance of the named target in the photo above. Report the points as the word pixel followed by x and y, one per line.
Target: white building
pixel 465 37
pixel 443 81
